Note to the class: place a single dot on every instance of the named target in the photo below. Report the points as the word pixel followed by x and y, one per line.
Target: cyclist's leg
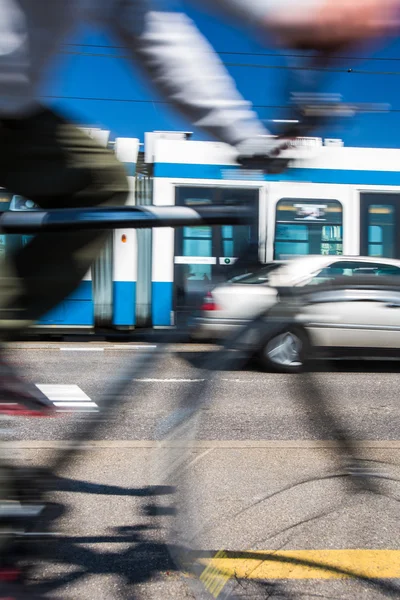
pixel 56 165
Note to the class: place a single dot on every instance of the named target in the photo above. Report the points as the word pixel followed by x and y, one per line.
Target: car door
pixel 356 318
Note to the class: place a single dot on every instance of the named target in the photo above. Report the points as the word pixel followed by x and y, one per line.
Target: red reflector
pixel 16 410
pixel 209 303
pixel 9 574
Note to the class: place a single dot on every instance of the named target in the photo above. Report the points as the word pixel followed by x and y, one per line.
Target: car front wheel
pixel 285 351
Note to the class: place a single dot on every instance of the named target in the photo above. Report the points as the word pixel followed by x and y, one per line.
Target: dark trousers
pixel 55 164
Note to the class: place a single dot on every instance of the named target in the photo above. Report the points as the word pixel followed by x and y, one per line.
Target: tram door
pixel 380 225
pixel 204 255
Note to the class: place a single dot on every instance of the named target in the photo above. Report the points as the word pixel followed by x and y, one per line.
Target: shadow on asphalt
pixel 75 558
pixel 145 556
pixel 198 359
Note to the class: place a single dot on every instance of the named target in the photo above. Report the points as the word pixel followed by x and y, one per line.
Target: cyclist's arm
pixel 255 13
pixel 314 24
pixel 185 69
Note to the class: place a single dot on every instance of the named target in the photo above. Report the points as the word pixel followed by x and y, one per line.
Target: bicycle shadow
pixel 74 558
pixel 145 556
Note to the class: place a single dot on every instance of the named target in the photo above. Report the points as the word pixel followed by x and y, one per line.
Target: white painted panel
pixel 125 255
pixel 163 255
pixel 66 397
pixel 163 239
pixel 127 149
pixel 263 221
pixel 326 157
pixel 187 152
pixel 351 224
pixel 164 191
pixel 151 137
pixel 131 197
pixel 195 260
pixel 350 159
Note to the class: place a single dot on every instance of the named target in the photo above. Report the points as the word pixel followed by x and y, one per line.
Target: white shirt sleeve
pixel 185 69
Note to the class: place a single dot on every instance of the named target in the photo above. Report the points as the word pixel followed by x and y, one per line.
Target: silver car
pixel 357 324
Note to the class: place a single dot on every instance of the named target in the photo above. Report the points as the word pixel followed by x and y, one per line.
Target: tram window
pixel 194 196
pixel 237 196
pixel 234 239
pixel 308 227
pixel 381 230
pixel 196 241
pixel 229 240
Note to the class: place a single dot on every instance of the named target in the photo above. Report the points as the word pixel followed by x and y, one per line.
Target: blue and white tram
pixel 333 200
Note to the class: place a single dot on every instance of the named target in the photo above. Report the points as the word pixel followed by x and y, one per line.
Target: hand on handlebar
pixel 263 153
pixel 333 24
pixel 326 27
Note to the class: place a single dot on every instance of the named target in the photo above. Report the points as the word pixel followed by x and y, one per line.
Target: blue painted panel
pixel 76 310
pixel 162 293
pixel 124 303
pixel 83 292
pixel 188 171
pixel 79 312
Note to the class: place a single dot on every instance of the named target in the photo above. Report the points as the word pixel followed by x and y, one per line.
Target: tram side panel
pixel 125 255
pixel 162 276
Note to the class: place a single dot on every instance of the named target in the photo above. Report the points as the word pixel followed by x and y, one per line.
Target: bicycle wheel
pixel 233 533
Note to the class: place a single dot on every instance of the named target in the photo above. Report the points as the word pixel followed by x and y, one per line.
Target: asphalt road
pixel 260 474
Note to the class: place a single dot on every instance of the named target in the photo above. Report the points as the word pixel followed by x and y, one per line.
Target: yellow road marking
pixel 305 564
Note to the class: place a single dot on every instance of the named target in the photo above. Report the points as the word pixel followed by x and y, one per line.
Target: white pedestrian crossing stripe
pixel 67 396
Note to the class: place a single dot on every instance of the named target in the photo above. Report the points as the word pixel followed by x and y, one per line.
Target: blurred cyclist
pixel 47 159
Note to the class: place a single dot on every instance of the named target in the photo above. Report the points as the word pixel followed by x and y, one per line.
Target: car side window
pixel 355 268
pixel 328 273
pixel 388 271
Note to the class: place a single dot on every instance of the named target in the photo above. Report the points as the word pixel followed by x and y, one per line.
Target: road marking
pixel 70 349
pixel 141 347
pixel 214 444
pixel 307 564
pixel 75 404
pixel 91 346
pixel 189 380
pixel 66 396
pixel 168 380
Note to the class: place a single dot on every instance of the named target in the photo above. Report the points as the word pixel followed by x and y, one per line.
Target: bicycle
pixel 179 433
pixel 182 450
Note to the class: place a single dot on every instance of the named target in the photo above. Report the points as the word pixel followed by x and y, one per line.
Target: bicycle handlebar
pixel 133 217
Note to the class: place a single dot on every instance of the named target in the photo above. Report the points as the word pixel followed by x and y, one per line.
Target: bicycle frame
pixel 151 216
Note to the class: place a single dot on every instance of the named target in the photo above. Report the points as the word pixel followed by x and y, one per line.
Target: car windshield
pixel 258 277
